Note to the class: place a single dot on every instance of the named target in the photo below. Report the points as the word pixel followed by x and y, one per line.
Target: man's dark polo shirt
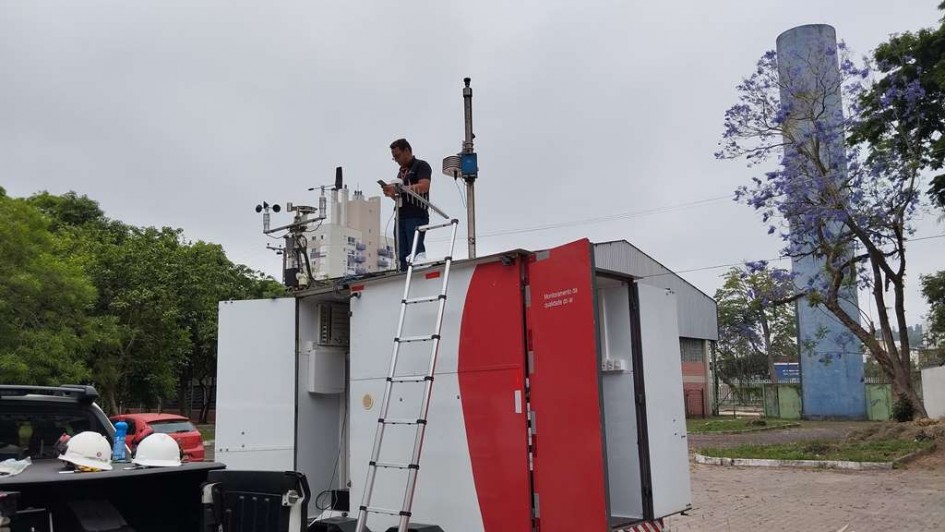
pixel 412 175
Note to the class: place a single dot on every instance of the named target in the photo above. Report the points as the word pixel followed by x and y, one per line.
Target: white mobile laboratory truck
pixel 556 404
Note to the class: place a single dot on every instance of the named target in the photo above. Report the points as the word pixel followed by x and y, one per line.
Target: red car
pixel 178 427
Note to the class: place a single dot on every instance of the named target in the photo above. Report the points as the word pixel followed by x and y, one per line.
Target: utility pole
pixel 466 165
pixel 469 178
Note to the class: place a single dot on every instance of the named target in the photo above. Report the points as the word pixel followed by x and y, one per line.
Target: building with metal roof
pixel 696 311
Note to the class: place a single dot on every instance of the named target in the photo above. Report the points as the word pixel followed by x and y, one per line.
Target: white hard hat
pixel 88 449
pixel 158 450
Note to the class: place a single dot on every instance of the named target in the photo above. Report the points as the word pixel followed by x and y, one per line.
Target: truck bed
pixel 148 499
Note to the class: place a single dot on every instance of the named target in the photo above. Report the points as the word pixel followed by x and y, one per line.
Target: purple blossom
pixel 822 186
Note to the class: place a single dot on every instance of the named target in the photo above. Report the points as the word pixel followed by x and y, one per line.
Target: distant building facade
pixel 351 240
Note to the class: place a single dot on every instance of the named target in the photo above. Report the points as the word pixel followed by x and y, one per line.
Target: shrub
pixel 902 409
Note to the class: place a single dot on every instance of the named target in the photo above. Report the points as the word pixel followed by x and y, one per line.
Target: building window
pixel 692 349
pixel 350 240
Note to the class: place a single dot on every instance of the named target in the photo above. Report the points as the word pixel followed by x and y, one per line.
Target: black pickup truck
pixel 48 496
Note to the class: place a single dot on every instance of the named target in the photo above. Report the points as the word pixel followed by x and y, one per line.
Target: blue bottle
pixel 118 451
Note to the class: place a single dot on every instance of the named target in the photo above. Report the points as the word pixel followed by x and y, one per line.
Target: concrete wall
pixel 933 391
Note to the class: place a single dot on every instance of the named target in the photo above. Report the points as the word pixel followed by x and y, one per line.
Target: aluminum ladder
pixel 413 465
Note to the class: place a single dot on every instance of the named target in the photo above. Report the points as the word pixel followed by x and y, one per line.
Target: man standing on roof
pixel 415 175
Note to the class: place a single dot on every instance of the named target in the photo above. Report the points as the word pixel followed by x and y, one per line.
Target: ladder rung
pixel 411 378
pixel 401 421
pixel 437 226
pixel 427 299
pixel 425 338
pixel 376 510
pixel 394 465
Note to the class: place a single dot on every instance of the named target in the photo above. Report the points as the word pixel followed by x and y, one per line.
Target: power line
pixel 603 219
pixel 610 218
pixel 930 237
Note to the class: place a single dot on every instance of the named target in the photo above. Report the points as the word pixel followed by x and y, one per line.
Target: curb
pixel 208 443
pixel 912 456
pixel 760 429
pixel 808 464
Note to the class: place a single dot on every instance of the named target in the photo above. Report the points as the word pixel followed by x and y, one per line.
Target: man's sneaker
pixel 418 261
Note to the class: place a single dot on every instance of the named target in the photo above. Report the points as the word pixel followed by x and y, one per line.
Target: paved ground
pixel 743 499
pixel 735 499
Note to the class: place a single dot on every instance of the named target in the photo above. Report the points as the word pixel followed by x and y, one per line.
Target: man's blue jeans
pixel 405 239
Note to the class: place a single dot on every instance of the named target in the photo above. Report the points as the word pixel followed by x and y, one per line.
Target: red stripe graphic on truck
pixel 491 383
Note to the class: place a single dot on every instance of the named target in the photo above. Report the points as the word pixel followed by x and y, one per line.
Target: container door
pixel 491 371
pixel 256 384
pixel 663 399
pixel 565 391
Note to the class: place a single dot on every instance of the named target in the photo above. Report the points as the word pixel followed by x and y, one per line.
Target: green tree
pixel 137 274
pixel 69 210
pixel 756 328
pixel 45 300
pixel 207 277
pixel 933 288
pixel 906 59
pixel 157 302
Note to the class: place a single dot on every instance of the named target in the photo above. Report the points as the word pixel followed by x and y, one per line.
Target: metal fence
pixel 748 398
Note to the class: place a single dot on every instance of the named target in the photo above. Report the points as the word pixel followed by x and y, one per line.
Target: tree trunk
pixel 110 403
pixel 206 395
pixel 202 388
pixel 182 393
pixel 902 385
pixel 890 359
pixel 766 330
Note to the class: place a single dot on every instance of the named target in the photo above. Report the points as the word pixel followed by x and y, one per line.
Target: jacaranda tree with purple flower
pixel 847 208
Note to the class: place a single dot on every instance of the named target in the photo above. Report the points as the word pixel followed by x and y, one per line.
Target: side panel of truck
pixel 256 370
pixel 446 490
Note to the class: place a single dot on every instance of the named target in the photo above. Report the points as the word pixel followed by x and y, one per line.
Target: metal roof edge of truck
pixel 345 283
pixel 81 392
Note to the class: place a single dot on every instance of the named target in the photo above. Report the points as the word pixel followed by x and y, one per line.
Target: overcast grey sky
pixel 188 114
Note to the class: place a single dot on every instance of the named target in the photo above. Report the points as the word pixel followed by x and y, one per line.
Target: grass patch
pixel 207 431
pixel 725 424
pixel 853 451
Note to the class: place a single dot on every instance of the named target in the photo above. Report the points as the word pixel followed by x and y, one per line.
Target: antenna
pixel 296 267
